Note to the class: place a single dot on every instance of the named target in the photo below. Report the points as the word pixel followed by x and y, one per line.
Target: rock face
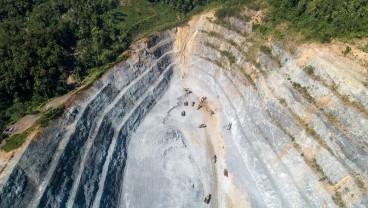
pixel 298 135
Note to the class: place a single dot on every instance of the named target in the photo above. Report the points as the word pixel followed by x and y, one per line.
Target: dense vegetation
pixel 43 42
pixel 183 5
pixel 320 20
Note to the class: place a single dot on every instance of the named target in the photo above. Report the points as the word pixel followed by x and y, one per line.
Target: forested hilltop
pixel 45 42
pixel 42 42
pixel 323 19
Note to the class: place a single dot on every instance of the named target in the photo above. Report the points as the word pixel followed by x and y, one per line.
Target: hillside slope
pixel 282 129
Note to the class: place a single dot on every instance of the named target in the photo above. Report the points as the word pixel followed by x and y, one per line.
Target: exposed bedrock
pixel 53 171
pixel 197 111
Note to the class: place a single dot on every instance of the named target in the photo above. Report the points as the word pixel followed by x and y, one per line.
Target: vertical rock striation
pixel 286 129
pixel 75 148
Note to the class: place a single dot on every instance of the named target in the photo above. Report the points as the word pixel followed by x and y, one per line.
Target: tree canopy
pixel 183 5
pixel 323 19
pixel 42 42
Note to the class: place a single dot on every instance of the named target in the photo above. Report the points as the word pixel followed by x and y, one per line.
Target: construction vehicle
pixel 212 112
pixel 187 91
pixel 207 198
pixel 228 127
pixel 199 106
pixel 226 173
pixel 202 126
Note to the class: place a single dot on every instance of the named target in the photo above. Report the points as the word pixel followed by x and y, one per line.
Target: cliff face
pixel 83 154
pixel 281 129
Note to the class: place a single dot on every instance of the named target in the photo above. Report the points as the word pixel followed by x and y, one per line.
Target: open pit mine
pixel 196 117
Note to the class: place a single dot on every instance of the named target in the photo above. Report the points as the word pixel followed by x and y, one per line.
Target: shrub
pixel 14 142
pixel 263 29
pixel 347 50
pixel 227 12
pixel 50 115
pixel 266 50
pixel 309 70
pixel 338 200
pixel 229 56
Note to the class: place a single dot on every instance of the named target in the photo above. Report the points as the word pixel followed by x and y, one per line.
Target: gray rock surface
pixel 294 141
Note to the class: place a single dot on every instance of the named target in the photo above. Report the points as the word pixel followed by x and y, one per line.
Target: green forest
pixel 322 20
pixel 43 42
